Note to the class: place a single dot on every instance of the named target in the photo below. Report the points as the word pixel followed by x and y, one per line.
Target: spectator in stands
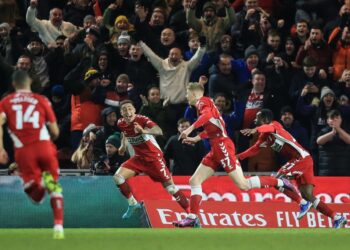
pixel 62 107
pixel 210 25
pixel 289 53
pixel 317 48
pixel 7 44
pixel 123 44
pixel 339 41
pixel 222 78
pixel 156 109
pixel 83 155
pixel 87 100
pixel 120 24
pixel 174 74
pixel 118 92
pixel 109 120
pixel 271 49
pixel 109 162
pixel 55 62
pixel 334 147
pixel 88 50
pixel 316 114
pixel 50 29
pixel 149 31
pixel 294 127
pixel 228 46
pixel 306 82
pixel 140 71
pixel 177 21
pixel 167 42
pixel 342 20
pixel 301 33
pixel 36 51
pixel 183 158
pixel 76 10
pixel 106 70
pixel 342 87
pixel 205 63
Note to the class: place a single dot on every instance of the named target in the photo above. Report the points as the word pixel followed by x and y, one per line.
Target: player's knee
pixel 172 189
pixel 118 179
pixel 35 192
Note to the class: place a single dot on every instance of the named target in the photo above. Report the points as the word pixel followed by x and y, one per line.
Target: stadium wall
pixel 90 202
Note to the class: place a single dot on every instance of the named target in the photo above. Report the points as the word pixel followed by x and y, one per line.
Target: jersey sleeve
pixel 49 114
pixel 205 114
pixel 266 128
pixel 253 150
pixel 147 123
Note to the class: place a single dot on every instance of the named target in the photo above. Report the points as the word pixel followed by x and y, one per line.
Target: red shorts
pixel 35 158
pixel 155 168
pixel 301 169
pixel 222 153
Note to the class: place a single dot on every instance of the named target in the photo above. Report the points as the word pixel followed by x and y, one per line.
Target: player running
pixel 222 153
pixel 31 121
pixel 139 130
pixel 299 165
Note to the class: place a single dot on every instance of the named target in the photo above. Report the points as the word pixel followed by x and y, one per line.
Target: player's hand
pixel 190 140
pixel 203 80
pixel 186 132
pixel 138 129
pixel 248 131
pixel 4 158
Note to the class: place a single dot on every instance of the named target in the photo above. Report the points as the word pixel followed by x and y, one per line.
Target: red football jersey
pixel 145 145
pixel 275 136
pixel 27 114
pixel 209 117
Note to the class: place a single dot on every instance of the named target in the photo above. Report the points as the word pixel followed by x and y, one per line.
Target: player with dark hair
pixel 222 153
pixel 32 124
pixel 139 130
pixel 299 165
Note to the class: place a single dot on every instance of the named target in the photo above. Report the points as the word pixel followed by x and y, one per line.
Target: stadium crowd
pixel 292 57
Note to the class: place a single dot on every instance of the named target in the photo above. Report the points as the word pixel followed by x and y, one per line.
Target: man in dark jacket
pixel 185 157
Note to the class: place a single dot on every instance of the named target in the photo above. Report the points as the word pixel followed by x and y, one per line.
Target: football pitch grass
pixel 176 239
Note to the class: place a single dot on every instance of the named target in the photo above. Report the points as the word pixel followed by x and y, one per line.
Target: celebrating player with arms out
pixel 28 116
pixel 299 165
pixel 222 153
pixel 139 131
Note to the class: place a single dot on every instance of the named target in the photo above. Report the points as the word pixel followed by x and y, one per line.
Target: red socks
pixel 294 196
pixel 182 200
pixel 195 201
pixel 125 190
pixel 57 208
pixel 324 209
pixel 268 181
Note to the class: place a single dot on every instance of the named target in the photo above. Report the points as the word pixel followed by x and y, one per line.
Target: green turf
pixel 176 239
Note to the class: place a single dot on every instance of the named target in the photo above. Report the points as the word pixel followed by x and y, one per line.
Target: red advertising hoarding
pixel 161 214
pixel 221 188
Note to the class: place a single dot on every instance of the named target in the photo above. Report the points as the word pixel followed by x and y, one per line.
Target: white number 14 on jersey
pixel 27 116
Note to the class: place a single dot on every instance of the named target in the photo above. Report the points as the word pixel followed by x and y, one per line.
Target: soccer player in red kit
pixel 31 124
pixel 222 153
pixel 299 165
pixel 139 130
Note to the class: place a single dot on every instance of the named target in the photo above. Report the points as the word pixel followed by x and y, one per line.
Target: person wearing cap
pixel 306 82
pixel 87 103
pixel 36 50
pixel 121 23
pixel 210 25
pixel 315 115
pixel 109 120
pixel 50 29
pixel 108 163
pixel 123 44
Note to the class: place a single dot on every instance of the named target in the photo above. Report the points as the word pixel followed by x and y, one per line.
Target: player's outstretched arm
pixel 155 130
pixel 122 148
